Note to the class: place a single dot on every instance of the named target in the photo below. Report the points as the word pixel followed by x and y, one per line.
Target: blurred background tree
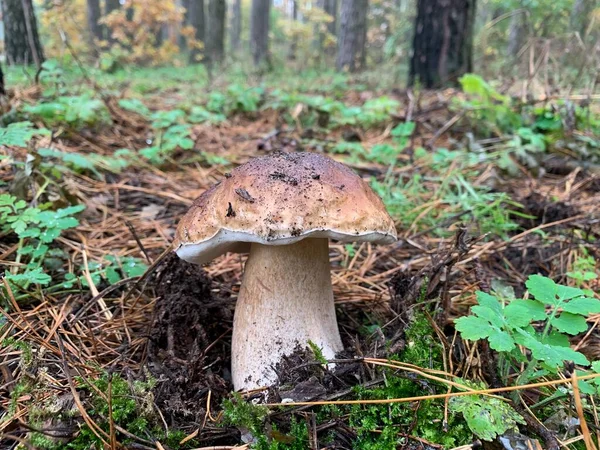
pixel 426 42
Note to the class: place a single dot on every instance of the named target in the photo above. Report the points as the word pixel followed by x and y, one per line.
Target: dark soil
pixel 189 343
pixel 545 210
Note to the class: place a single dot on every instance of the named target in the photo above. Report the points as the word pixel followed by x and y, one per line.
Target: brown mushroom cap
pixel 281 199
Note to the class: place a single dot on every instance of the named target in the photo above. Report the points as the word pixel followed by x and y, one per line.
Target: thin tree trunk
pixel 236 25
pixel 184 23
pixel 259 31
pixel 2 88
pixel 517 33
pixel 362 43
pixel 443 42
pixel 294 40
pixel 215 39
pixel 581 14
pixel 197 21
pixel 21 39
pixel 331 7
pixel 93 20
pixel 352 35
pixel 109 7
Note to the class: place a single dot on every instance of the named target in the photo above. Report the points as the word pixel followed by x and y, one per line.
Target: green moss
pixel 378 426
pixel 245 416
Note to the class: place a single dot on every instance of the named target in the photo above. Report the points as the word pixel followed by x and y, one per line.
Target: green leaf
pixel 552 355
pixel 475 328
pixel 489 301
pixel 520 313
pixel 543 289
pixel 500 340
pixel 586 387
pixel 569 323
pixel 492 316
pixel 567 292
pixel 19 134
pixel 487 417
pixel 472 328
pixel 582 305
pixel 404 129
pixel 134 105
pixel 35 276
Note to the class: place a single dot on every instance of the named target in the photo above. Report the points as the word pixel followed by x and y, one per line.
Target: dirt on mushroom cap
pixel 283 196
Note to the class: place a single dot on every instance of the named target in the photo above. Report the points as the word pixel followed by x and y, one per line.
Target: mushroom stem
pixel 285 300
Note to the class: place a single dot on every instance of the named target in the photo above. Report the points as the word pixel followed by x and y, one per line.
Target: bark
pixel 330 7
pixel 517 33
pixel 185 22
pixel 197 21
pixel 294 42
pixel 259 31
pixel 581 14
pixel 21 39
pixel 93 22
pixel 236 25
pixel 2 88
pixel 352 35
pixel 109 7
pixel 215 38
pixel 443 42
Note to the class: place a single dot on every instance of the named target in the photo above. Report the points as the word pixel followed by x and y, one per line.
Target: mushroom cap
pixel 281 199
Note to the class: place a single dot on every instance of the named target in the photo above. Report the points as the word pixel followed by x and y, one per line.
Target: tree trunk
pixel 236 25
pixel 294 41
pixel 21 40
pixel 443 42
pixel 581 14
pixel 352 35
pixel 215 39
pixel 93 20
pixel 184 22
pixel 197 21
pixel 2 89
pixel 259 31
pixel 109 7
pixel 330 7
pixel 517 33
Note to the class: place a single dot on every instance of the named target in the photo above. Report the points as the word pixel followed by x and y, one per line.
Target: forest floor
pixel 109 340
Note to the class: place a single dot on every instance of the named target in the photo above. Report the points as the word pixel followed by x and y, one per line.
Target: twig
pixel 435 396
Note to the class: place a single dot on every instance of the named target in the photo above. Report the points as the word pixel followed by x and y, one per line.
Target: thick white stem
pixel 285 300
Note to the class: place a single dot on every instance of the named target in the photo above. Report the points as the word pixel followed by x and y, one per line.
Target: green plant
pixel 487 417
pixel 75 111
pixel 171 133
pixel 583 269
pixel 243 99
pixel 507 323
pixel 18 134
pixel 36 229
pixel 112 269
pixel 487 106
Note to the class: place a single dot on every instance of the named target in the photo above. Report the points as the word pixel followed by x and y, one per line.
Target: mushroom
pixel 282 209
